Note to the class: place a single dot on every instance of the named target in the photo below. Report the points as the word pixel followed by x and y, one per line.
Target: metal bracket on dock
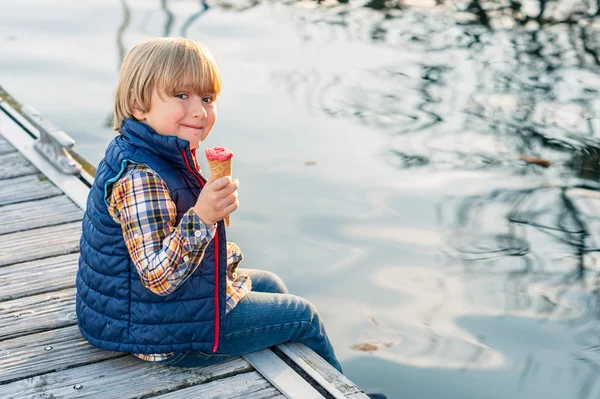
pixel 53 143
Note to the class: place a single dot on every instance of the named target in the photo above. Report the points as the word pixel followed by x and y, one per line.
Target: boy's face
pixel 185 115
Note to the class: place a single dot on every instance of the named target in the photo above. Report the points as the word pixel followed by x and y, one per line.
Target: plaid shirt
pixel 165 254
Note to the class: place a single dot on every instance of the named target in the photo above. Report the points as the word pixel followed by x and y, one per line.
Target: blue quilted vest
pixel 114 310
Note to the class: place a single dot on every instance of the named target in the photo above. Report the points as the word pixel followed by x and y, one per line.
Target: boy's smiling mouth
pixel 193 127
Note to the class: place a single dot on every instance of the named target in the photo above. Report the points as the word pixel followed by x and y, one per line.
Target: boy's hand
pixel 218 198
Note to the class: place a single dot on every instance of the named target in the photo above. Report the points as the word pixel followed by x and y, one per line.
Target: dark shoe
pixel 376 396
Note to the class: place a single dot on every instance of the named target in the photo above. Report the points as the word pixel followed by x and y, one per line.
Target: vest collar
pixel 143 136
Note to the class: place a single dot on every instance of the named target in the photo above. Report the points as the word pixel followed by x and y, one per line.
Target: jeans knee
pixel 309 311
pixel 264 281
pixel 276 282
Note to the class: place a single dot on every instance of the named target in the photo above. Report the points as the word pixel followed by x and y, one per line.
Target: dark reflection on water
pixel 565 214
pixel 522 76
pixel 203 9
pixel 122 27
pixel 495 80
pixel 188 22
pixel 544 237
pixel 168 28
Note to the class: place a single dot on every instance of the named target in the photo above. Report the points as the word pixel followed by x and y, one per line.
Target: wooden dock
pixel 42 353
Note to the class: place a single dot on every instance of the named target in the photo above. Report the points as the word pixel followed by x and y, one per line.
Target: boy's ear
pixel 136 111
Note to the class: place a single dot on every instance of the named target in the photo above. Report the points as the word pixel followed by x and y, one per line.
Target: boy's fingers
pixel 223 182
pixel 230 199
pixel 214 183
pixel 232 207
pixel 223 200
pixel 232 188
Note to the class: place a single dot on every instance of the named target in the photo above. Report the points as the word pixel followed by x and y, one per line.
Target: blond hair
pixel 167 64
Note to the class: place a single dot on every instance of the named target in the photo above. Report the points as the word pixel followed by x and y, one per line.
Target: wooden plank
pixel 71 185
pixel 38 277
pixel 301 363
pixel 5 147
pixel 41 213
pixel 122 378
pixel 248 386
pixel 15 165
pixel 39 243
pixel 46 352
pixel 26 188
pixel 38 313
pixel 281 375
pixel 324 373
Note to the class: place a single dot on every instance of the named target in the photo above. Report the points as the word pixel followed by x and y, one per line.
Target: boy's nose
pixel 198 110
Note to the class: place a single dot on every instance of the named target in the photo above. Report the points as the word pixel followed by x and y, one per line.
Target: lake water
pixel 379 148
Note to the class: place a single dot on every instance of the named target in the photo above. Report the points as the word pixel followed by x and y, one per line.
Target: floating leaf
pixel 535 160
pixel 365 347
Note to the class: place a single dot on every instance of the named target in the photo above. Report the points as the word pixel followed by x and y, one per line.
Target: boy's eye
pixel 208 100
pixel 183 96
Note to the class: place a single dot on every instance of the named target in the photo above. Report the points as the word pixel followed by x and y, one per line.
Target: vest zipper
pixel 216 240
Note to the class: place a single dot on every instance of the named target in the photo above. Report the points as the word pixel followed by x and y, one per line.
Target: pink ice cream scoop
pixel 220 154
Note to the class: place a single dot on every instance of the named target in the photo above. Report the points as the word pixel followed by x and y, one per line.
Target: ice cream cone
pixel 220 163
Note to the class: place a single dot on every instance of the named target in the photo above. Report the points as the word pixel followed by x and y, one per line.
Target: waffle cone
pixel 220 169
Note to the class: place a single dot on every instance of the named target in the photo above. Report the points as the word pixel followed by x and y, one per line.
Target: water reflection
pixel 519 77
pixel 475 89
pixel 494 225
pixel 168 24
pixel 538 252
pixel 120 32
pixel 170 18
pixel 203 9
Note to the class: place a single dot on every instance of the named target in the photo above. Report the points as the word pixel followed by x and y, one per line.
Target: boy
pixel 157 277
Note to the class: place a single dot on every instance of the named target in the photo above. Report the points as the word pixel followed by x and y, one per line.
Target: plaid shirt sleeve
pixel 238 285
pixel 164 254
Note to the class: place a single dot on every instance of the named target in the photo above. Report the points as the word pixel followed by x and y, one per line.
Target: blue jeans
pixel 268 315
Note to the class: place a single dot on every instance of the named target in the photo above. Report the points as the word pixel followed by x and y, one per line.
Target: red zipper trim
pixel 216 292
pixel 216 240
